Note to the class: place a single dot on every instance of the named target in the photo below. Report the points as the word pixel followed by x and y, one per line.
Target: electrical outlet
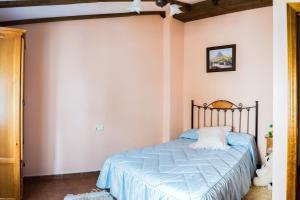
pixel 99 128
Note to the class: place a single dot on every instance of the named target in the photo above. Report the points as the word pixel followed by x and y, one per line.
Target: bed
pixel 174 171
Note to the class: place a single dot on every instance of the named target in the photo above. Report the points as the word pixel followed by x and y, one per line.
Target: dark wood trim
pixel 79 17
pixel 28 3
pixel 22 3
pixel 207 8
pixel 62 176
pixel 191 12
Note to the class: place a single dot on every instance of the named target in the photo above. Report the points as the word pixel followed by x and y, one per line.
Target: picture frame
pixel 221 58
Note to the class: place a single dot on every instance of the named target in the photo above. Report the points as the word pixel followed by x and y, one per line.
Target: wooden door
pixel 11 55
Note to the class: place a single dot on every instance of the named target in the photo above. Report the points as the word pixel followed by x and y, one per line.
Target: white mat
pixel 90 196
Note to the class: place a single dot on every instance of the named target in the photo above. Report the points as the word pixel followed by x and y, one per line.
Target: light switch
pixel 99 128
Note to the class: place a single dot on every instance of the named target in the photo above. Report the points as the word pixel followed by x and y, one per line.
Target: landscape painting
pixel 221 58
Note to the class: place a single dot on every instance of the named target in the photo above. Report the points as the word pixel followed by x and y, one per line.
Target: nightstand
pixel 269 149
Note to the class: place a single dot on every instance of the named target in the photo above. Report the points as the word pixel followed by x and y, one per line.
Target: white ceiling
pixel 19 13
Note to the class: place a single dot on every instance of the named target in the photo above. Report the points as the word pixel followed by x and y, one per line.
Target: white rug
pixel 90 196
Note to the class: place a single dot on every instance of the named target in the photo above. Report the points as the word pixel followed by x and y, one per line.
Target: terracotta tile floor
pixel 259 193
pixel 57 188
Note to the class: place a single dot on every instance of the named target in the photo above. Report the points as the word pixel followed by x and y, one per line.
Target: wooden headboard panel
pixel 227 109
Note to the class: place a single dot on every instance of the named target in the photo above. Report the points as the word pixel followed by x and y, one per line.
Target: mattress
pixel 174 171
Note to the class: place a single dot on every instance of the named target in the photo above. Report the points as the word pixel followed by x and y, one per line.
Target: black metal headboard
pixel 223 106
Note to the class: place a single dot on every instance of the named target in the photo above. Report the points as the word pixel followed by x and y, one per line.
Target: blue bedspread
pixel 174 171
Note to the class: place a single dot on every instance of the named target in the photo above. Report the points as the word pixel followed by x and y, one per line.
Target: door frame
pixel 291 184
pixel 15 35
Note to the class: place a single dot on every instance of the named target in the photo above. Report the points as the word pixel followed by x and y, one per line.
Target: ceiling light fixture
pixel 161 3
pixel 175 9
pixel 135 6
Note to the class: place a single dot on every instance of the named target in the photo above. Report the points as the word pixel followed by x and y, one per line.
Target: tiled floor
pixel 259 193
pixel 56 188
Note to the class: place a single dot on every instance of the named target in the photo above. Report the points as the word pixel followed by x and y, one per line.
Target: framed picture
pixel 221 58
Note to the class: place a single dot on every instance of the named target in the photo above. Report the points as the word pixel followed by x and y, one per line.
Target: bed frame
pixel 219 107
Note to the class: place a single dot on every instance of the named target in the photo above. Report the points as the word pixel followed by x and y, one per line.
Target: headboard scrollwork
pixel 226 109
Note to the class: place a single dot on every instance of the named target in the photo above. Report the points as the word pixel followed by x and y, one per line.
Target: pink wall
pixel 139 86
pixel 176 89
pixel 251 31
pixel 173 78
pixel 82 73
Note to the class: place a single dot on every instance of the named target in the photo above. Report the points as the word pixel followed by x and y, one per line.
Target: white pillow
pixel 226 129
pixel 211 138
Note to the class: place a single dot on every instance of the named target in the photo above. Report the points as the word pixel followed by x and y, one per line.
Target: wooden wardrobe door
pixel 10 112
